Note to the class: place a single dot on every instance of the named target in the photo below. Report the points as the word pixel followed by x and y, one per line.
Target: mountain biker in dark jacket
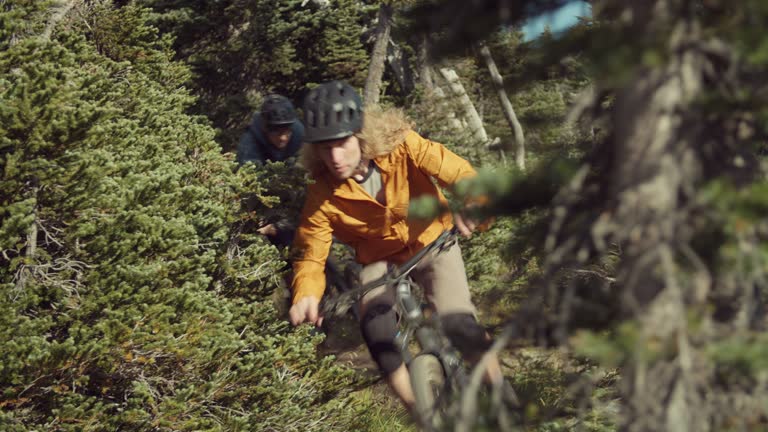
pixel 367 167
pixel 274 135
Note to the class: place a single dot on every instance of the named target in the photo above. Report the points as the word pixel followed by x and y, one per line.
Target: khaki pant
pixel 441 275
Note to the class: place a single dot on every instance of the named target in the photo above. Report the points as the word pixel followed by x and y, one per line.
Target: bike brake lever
pixel 453 236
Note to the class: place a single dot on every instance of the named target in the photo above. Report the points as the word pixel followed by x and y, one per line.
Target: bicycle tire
pixel 428 382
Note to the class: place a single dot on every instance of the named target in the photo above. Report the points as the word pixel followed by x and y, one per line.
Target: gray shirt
pixel 372 183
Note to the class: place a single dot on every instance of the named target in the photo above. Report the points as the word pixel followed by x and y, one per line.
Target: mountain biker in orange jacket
pixel 367 167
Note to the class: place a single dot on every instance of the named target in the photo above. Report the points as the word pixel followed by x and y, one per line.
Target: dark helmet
pixel 332 110
pixel 277 111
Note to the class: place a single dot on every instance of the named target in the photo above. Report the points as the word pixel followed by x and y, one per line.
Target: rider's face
pixel 341 156
pixel 279 137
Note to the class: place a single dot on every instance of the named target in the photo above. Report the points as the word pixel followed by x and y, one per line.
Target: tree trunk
pixel 423 65
pixel 473 118
pixel 372 89
pixel 655 167
pixel 509 111
pixel 432 90
pixel 24 272
pixel 454 123
pixel 401 68
pixel 646 183
pixel 59 12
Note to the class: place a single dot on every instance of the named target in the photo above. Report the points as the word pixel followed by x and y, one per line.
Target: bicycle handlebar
pixel 446 238
pixel 344 301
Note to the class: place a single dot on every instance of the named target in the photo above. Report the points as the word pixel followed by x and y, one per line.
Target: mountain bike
pixel 436 369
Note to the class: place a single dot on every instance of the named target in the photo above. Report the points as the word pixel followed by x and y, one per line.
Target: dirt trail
pixel 344 341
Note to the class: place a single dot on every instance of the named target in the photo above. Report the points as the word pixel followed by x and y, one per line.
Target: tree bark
pixel 372 89
pixel 59 12
pixel 31 245
pixel 655 168
pixel 509 111
pixel 474 121
pixel 454 123
pixel 400 66
pixel 423 65
pixel 646 182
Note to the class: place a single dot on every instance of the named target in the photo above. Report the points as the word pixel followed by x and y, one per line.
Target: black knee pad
pixel 379 328
pixel 465 333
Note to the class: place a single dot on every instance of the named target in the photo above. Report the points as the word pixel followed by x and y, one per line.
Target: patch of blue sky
pixel 558 20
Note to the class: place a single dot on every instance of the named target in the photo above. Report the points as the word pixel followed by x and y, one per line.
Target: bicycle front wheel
pixel 428 382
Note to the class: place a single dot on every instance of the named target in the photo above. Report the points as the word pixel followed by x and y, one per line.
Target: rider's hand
pixel 464 224
pixel 307 309
pixel 268 230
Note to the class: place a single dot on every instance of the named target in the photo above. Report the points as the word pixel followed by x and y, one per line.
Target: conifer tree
pixel 240 50
pixel 128 298
pixel 650 258
pixel 342 46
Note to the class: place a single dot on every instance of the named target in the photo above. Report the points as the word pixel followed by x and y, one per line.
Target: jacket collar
pixel 383 163
pixel 349 188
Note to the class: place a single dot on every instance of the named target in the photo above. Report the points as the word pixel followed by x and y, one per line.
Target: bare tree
pixel 372 89
pixel 59 11
pixel 455 124
pixel 400 66
pixel 433 91
pixel 474 122
pixel 424 64
pixel 509 111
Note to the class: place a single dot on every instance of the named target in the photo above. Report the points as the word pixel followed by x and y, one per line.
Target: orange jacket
pixel 376 232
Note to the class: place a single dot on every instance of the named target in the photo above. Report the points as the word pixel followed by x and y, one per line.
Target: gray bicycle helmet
pixel 332 110
pixel 277 110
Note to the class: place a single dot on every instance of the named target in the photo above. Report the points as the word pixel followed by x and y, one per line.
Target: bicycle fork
pixel 428 337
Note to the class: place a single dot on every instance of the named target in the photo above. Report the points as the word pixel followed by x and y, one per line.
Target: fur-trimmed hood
pixel 383 130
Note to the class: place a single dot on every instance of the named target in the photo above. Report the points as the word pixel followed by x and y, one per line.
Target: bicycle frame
pixel 408 307
pixel 414 323
pixel 410 311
